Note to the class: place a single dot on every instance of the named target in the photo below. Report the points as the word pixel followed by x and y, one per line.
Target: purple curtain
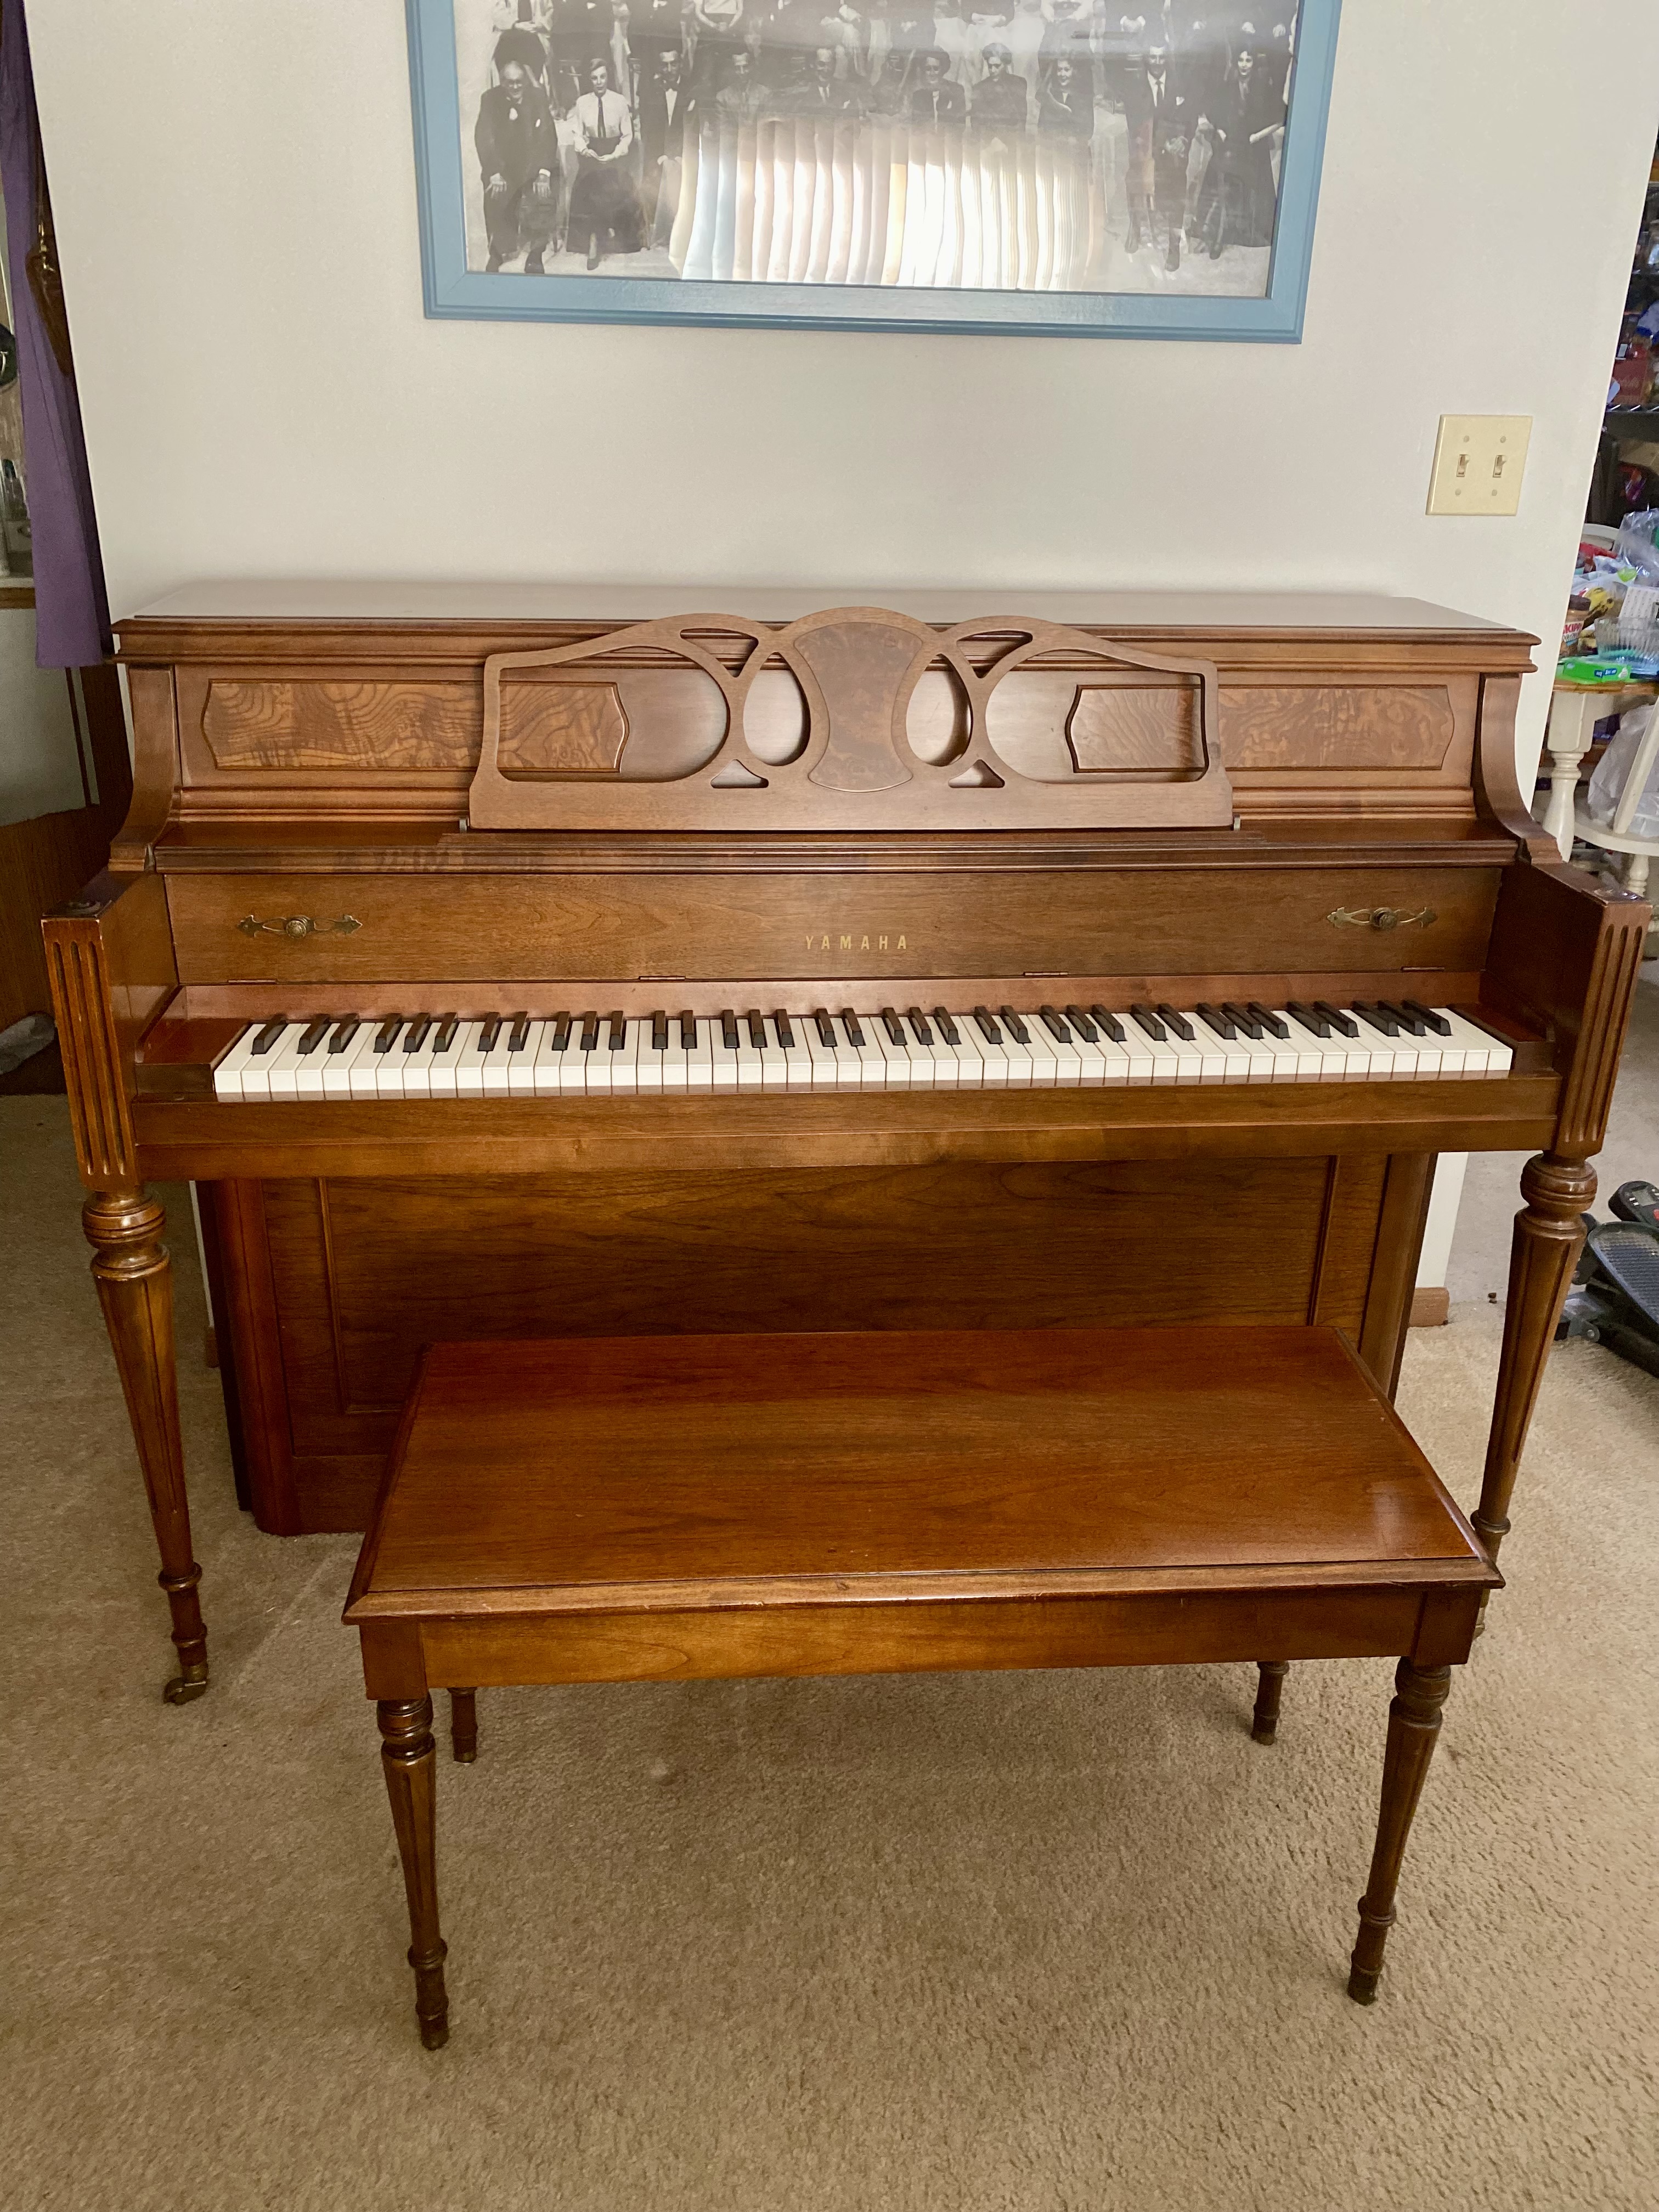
pixel 71 611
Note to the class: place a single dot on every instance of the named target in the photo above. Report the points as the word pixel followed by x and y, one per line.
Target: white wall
pixel 234 192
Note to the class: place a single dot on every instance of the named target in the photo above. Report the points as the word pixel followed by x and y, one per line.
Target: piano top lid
pixel 1216 613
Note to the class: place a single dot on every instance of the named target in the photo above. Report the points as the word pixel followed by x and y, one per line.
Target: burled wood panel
pixel 1050 725
pixel 562 729
pixel 269 722
pixel 1383 726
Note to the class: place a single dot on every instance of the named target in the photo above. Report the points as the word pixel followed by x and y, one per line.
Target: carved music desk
pixel 519 964
pixel 638 1509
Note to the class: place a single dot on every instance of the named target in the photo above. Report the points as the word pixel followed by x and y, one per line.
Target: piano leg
pixel 464 1725
pixel 1414 1725
pixel 409 1758
pixel 1548 1239
pixel 1270 1683
pixel 134 1276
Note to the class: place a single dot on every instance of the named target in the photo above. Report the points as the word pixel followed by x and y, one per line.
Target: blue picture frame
pixel 454 291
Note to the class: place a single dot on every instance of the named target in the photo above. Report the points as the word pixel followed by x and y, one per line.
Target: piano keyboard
pixel 587 1054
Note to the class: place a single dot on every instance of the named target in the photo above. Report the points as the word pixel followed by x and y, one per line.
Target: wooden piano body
pixel 378 803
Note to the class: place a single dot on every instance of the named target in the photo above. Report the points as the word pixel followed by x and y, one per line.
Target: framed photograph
pixel 1038 166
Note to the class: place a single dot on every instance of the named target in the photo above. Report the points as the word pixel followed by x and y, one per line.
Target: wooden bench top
pixel 616 1475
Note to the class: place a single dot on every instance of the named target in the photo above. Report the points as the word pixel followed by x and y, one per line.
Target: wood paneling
pixel 807 926
pixel 348 1279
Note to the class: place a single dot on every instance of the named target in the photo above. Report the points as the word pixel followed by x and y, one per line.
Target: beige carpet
pixel 1064 1943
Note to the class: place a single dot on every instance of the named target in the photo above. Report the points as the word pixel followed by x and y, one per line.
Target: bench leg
pixel 1271 1674
pixel 464 1725
pixel 409 1758
pixel 1414 1725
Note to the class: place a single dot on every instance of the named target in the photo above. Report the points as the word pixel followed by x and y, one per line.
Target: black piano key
pixel 386 1036
pixel 1147 1020
pixel 590 1036
pixel 825 1027
pixel 487 1036
pixel 756 1021
pixel 988 1029
pixel 729 1030
pixel 1311 1019
pixel 1241 1018
pixel 1053 1022
pixel 946 1028
pixel 268 1036
pixel 688 1031
pixel 315 1032
pixel 1374 1017
pixel 558 1034
pixel 1104 1019
pixel 1175 1022
pixel 660 1032
pixel 893 1025
pixel 415 1035
pixel 1344 1024
pixel 1272 1023
pixel 517 1035
pixel 1413 1024
pixel 1085 1028
pixel 1015 1027
pixel 618 1036
pixel 785 1029
pixel 343 1033
pixel 918 1022
pixel 448 1030
pixel 853 1027
pixel 1217 1018
pixel 1437 1022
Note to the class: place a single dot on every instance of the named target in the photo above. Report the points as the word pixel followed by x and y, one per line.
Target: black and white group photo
pixel 977 145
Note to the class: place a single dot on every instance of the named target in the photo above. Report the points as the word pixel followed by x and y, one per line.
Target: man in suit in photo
pixel 518 150
pixel 1162 116
pixel 664 105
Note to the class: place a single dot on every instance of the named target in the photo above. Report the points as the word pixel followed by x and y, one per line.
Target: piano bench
pixel 648 1508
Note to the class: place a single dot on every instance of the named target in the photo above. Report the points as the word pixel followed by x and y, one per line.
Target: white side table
pixel 1575 710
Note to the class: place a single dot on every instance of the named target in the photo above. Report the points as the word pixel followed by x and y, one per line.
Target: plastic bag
pixel 1611 770
pixel 1636 549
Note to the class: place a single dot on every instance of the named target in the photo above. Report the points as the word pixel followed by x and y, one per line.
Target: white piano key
pixel 337 1067
pixel 440 1065
pixel 797 1056
pixel 867 1059
pixel 1166 1060
pixel 553 1066
pixel 1202 1056
pixel 774 1066
pixel 227 1073
pixel 969 1063
pixel 286 1061
pixel 520 1065
pixel 940 1061
pixel 647 1059
pixel 468 1059
pixel 1339 1060
pixel 894 1058
pixel 623 1058
pixel 700 1059
pixel 1068 1067
pixel 827 1072
pixel 1483 1053
pixel 1233 1051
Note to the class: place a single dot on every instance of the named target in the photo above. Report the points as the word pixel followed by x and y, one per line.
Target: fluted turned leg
pixel 464 1725
pixel 1270 1685
pixel 1414 1725
pixel 409 1758
pixel 134 1276
pixel 1549 1237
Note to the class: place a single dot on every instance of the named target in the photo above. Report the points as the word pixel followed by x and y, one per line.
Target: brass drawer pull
pixel 298 925
pixel 1380 917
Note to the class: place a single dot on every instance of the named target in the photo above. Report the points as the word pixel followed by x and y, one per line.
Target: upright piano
pixel 510 964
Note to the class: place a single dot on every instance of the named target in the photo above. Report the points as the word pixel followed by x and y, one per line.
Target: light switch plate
pixel 1479 462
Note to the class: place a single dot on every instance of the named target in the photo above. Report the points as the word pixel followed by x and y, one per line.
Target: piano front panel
pixel 401 927
pixel 332 1286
